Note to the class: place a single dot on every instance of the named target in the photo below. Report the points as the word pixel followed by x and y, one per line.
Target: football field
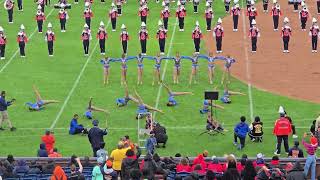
pixel 73 78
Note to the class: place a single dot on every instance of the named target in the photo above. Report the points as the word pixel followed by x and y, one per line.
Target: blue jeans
pixel 310 163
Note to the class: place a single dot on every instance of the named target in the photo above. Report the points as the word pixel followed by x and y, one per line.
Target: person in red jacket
pixel 199 160
pixel 102 36
pixel 3 42
pixel 215 166
pixel 143 13
pixel 282 129
pixel 48 139
pixel 181 13
pixel 196 36
pixel 113 14
pixel 165 14
pixel 252 13
pixel 254 33
pixel 124 38
pixel 40 17
pixel 22 39
pixel 183 166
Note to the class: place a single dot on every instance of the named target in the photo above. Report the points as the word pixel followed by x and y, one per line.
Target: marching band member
pixel 143 13
pixel 40 17
pixel 314 33
pixel 3 42
pixel 87 14
pixel 113 14
pixel 218 33
pixel 254 33
pixel 252 13
pixel 275 13
pixel 41 3
pixel 318 6
pixel 235 13
pixel 50 38
pixel 227 5
pixel 165 14
pixel 9 5
pixel 265 5
pixel 119 7
pixel 124 38
pixel 143 36
pixel 20 8
pixel 181 13
pixel 161 36
pixel 195 6
pixel 286 32
pixel 102 36
pixel 303 16
pixel 86 37
pixel 63 16
pixel 196 36
pixel 22 39
pixel 208 15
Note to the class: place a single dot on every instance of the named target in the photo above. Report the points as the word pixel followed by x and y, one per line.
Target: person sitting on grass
pixel 40 103
pixel 55 153
pixel 295 151
pixel 76 128
pixel 171 100
pixel 91 108
pixel 102 152
pixel 42 152
pixel 212 124
pixel 256 130
pixel 240 131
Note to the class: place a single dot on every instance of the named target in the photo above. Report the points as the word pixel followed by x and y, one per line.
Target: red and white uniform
pixel 124 36
pixel 254 32
pixel 165 13
pixel 87 13
pixel 143 11
pixel 275 11
pixel 143 35
pixel 22 37
pixel 62 15
pixel 86 35
pixel 113 14
pixel 235 11
pixel 218 31
pixel 3 39
pixel 161 34
pixel 208 13
pixel 197 34
pixel 286 31
pixel 102 34
pixel 40 16
pixel 50 36
pixel 181 12
pixel 8 4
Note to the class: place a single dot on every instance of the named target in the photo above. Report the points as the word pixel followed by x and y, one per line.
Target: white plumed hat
pixel 22 26
pixel 1 29
pixel 85 25
pixel 286 20
pixel 178 3
pixel 101 23
pixel 143 24
pixel 160 23
pixel 219 21
pixel 49 25
pixel 314 20
pixel 123 26
pixel 253 22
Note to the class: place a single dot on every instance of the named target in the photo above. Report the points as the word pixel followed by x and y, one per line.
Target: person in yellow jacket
pixel 117 156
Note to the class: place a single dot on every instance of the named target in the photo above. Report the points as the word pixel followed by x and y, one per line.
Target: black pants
pixel 165 23
pixel 20 4
pixel 86 44
pixel 94 150
pixel 285 142
pixel 40 23
pixel 235 21
pixel 265 7
pixel 119 9
pixel 50 47
pixel 254 43
pixel 143 44
pixel 303 22
pixel 208 20
pixel 21 46
pixel 242 140
pixel 293 127
pixel 314 40
pixel 196 42
pixel 227 7
pixel 2 50
pixel 248 6
pixel 76 1
pixel 250 19
pixel 195 9
pixel 143 19
pixel 63 24
pixel 295 6
pixel 162 45
pixel 286 40
pixel 47 2
pixel 42 7
pixel 219 43
pixel 102 43
pixel 114 23
pixel 88 21
pixel 318 6
pixel 275 22
pixel 124 46
pixel 181 22
pixel 10 15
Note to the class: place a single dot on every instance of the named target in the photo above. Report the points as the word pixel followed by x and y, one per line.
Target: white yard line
pixel 165 67
pixel 75 84
pixel 247 63
pixel 17 51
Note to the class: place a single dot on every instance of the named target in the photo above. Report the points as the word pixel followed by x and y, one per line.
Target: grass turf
pixel 57 79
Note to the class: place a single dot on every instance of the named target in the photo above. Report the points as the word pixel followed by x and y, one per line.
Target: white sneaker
pixel 2 58
pixel 288 51
pixel 275 153
pixel 40 32
pixel 217 52
pixel 253 51
pixel 284 51
pixel 294 136
pixel 102 53
pixel 11 22
pixel 50 55
pixel 113 30
pixel 162 53
pixel 220 51
pixel 23 56
pixel 208 30
pixel 315 51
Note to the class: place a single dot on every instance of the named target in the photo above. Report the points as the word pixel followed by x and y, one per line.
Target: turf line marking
pixel 15 53
pixel 75 84
pixel 247 64
pixel 165 67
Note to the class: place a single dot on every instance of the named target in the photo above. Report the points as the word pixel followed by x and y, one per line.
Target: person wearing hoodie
pixel 295 151
pixel 58 174
pixel 249 172
pixel 183 166
pixel 296 173
pixel 109 172
pixel 34 168
pixel 240 131
pixel 148 167
pixel 274 162
pixel 42 152
pixel 49 167
pixel 162 168
pixel 96 172
pixel 215 166
pixel 231 173
pixel 49 140
pixel 311 158
pixel 21 167
pixel 199 160
pixel 260 161
pixel 130 162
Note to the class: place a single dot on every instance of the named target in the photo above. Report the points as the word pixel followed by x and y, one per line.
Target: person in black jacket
pixel 95 136
pixel 149 167
pixel 130 162
pixel 3 111
pixel 160 134
pixel 42 152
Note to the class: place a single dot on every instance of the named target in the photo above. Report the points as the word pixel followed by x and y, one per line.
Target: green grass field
pixel 72 78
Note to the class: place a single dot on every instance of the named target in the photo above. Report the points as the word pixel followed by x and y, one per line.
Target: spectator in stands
pixel 161 166
pixel 74 173
pixel 101 152
pixel 311 158
pixel 48 139
pixel 49 167
pixel 42 152
pixel 86 162
pixel 8 170
pixel 210 175
pixel 130 162
pixel 109 172
pixel 313 127
pixel 215 166
pixel 199 160
pixel 34 168
pixel 260 161
pixel 183 166
pixel 127 142
pixel 55 153
pixel 274 162
pixel 282 129
pixel 117 156
pixel 240 131
pixel 11 160
pixel 295 151
pixel 197 169
pixel 151 143
pixel 256 132
pixel 249 172
pixel 76 128
pixel 2 168
pixel 296 173
pixel 160 134
pixel 231 173
pixel 242 163
pixel 148 167
pixel 95 136
pixel 58 174
pixel 135 174
pixel 21 167
pixel 96 172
